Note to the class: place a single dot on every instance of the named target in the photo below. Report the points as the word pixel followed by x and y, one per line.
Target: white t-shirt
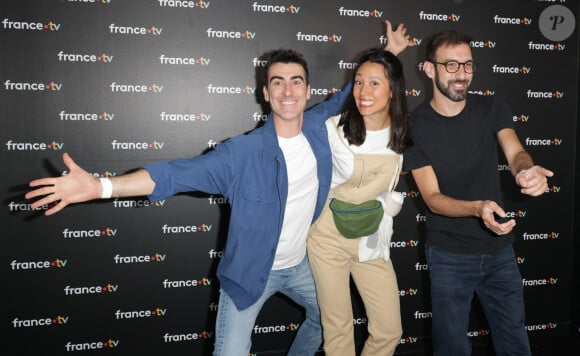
pixel 343 159
pixel 301 202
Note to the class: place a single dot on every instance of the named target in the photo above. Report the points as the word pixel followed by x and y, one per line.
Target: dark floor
pixel 541 346
pixel 557 345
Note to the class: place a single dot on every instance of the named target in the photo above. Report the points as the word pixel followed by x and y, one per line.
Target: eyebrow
pixel 291 78
pixel 454 60
pixel 378 76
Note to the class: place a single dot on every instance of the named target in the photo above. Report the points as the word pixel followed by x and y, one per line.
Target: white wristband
pixel 107 188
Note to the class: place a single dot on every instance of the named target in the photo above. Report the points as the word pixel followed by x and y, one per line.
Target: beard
pixel 446 90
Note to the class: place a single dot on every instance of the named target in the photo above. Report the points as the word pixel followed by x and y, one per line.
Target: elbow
pixel 431 203
pixel 434 210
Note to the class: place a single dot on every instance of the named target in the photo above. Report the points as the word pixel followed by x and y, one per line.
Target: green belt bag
pixel 356 220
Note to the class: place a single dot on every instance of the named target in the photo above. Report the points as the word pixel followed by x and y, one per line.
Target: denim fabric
pixel 234 327
pixel 498 283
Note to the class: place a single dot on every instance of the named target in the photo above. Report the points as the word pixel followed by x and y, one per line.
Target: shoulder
pixel 247 141
pixel 332 122
pixel 331 126
pixel 484 100
pixel 491 104
pixel 421 113
pixel 421 109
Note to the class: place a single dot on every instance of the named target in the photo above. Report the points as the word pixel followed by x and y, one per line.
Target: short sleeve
pixel 414 158
pixel 502 115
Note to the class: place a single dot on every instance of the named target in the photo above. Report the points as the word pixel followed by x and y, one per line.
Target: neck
pixel 445 106
pixel 377 123
pixel 287 128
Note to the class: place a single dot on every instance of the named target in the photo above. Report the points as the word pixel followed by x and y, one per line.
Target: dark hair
pixel 445 38
pixel 285 56
pixel 351 119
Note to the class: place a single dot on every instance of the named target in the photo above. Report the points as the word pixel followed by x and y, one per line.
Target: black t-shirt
pixel 463 151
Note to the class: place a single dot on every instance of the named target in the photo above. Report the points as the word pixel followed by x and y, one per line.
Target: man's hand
pixel 533 181
pixel 488 212
pixel 77 186
pixel 398 39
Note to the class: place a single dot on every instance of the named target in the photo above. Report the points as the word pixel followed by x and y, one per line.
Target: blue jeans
pixel 234 327
pixel 498 283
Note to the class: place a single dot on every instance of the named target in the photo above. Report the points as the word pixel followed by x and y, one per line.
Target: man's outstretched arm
pixel 445 205
pixel 532 179
pixel 79 186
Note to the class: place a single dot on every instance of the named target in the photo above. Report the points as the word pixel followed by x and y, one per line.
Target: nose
pixel 461 73
pixel 364 89
pixel 286 89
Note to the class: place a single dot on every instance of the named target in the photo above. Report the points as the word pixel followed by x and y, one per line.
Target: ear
pixel 429 69
pixel 266 94
pixel 308 92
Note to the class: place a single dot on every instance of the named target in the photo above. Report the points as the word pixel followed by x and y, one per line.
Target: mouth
pixel 365 103
pixel 288 102
pixel 459 84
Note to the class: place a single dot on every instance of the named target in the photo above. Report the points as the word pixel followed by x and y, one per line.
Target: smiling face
pixel 453 86
pixel 372 92
pixel 287 92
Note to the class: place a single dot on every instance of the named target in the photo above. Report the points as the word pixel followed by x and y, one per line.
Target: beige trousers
pixel 334 258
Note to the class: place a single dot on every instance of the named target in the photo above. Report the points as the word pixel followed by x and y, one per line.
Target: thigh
pixel 502 273
pixel 502 287
pixel 234 327
pixel 453 275
pixel 377 284
pixel 330 265
pixel 300 286
pixel 331 269
pixel 502 298
pixel 453 280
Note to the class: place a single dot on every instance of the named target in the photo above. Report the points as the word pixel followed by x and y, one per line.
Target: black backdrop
pixel 118 84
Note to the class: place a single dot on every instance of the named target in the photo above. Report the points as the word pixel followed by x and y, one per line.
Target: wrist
pixel 523 170
pixel 106 188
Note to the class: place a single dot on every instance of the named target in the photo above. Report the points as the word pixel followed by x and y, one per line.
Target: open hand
pixel 398 39
pixel 75 187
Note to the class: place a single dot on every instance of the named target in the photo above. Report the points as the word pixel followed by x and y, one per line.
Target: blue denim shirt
pixel 251 172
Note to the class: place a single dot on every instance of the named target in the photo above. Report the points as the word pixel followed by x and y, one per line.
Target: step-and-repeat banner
pixel 121 83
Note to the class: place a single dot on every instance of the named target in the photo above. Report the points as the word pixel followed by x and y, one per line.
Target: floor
pixel 541 346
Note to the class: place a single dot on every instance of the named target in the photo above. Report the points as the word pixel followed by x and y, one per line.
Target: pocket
pixel 256 210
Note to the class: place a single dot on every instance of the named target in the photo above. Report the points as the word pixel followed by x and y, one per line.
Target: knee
pixel 399 333
pixel 313 312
